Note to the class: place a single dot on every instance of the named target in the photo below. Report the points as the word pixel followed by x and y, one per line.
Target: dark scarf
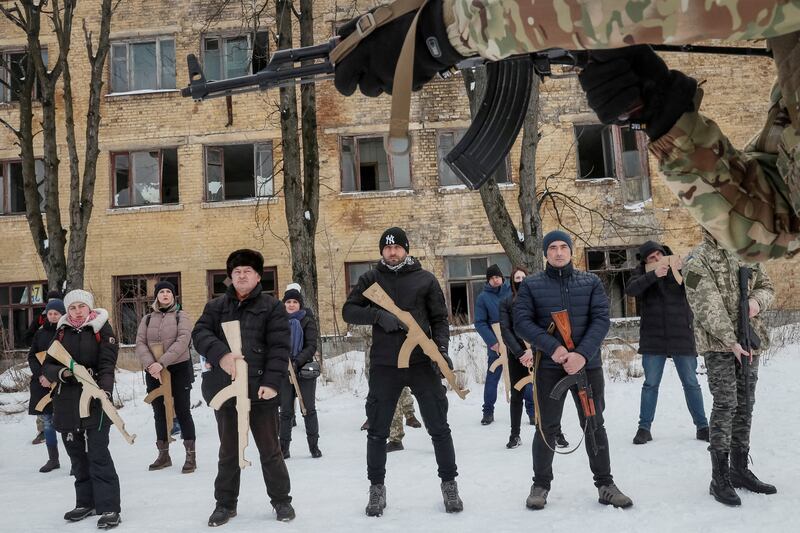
pixel 297 331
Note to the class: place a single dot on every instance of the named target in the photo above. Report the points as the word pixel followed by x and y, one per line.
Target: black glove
pixel 371 65
pixel 634 84
pixel 449 364
pixel 65 376
pixel 389 322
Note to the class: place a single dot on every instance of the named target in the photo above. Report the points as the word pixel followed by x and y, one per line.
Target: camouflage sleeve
pixel 748 200
pixel 763 291
pixel 706 302
pixel 499 28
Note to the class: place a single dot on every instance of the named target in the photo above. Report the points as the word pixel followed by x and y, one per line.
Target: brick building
pixel 181 184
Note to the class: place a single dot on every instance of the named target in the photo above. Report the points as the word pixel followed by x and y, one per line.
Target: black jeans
pixel 96 480
pixel 182 375
pixel 308 388
pixel 264 428
pixel 550 413
pixel 385 385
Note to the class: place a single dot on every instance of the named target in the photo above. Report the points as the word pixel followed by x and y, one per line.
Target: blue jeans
pixel 50 437
pixel 490 388
pixel 687 372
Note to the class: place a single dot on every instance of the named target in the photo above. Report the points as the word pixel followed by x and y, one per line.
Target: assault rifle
pixel 500 115
pixel 164 390
pixel 748 339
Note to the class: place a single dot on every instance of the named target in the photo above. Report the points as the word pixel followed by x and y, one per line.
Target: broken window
pixel 12 191
pixel 465 277
pixel 20 304
pixel 367 167
pixel 230 57
pixel 614 267
pixel 239 171
pixel 135 296
pixel 12 75
pixel 143 65
pixel 145 178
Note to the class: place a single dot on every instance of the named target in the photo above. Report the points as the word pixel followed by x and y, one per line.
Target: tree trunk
pixel 528 199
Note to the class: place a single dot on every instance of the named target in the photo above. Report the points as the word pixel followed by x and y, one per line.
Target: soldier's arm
pixel 763 291
pixel 707 304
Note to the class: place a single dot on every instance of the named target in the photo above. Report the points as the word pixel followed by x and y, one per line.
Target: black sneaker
pixel 394 446
pixel 642 436
pixel 284 512
pixel 487 419
pixel 561 441
pixel 377 500
pixel 109 520
pixel 221 515
pixel 78 514
pixel 514 442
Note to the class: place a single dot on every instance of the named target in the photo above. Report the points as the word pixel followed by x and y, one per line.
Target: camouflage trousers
pixel 404 409
pixel 731 419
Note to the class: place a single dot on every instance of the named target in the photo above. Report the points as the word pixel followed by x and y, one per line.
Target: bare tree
pixel 64 266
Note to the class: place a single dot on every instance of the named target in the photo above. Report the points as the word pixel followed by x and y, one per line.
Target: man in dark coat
pixel 665 331
pixel 417 291
pixel 265 347
pixel 562 287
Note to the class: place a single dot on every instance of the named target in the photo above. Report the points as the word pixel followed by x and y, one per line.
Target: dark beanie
pixel 58 295
pixel 165 285
pixel 293 294
pixel 493 271
pixel 393 236
pixel 55 304
pixel 245 257
pixel 648 248
pixel 556 235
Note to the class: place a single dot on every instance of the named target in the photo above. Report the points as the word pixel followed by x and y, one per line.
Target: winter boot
pixel 163 460
pixel 285 448
pixel 221 515
pixel 313 447
pixel 537 499
pixel 52 461
pixel 38 439
pixel 109 520
pixel 721 487
pixel 611 495
pixel 412 422
pixel 452 502
pixel 487 419
pixel 743 478
pixel 561 441
pixel 514 442
pixel 377 500
pixel 365 425
pixel 284 512
pixel 190 465
pixel 394 446
pixel 642 436
pixel 702 434
pixel 78 514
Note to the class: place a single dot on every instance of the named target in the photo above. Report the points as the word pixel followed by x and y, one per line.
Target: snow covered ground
pixel 667 478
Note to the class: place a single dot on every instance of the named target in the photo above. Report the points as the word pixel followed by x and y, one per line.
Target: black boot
pixel 221 515
pixel 514 442
pixel 377 500
pixel 109 520
pixel 313 447
pixel 743 477
pixel 285 448
pixel 52 461
pixel 78 514
pixel 721 487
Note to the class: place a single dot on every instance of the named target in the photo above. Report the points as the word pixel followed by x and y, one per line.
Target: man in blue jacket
pixel 487 312
pixel 562 287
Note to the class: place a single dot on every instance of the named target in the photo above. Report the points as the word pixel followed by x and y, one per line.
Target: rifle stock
pixel 164 391
pixel 296 385
pixel 502 360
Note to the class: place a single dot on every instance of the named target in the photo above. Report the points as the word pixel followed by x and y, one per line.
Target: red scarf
pixel 77 324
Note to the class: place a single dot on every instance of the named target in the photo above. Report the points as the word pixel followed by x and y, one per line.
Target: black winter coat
pixel 666 318
pixel 266 340
pixel 556 289
pixel 40 343
pixel 515 346
pixel 414 290
pixel 310 339
pixel 95 347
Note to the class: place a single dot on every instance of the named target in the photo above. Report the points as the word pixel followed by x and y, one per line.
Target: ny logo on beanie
pixel 389 239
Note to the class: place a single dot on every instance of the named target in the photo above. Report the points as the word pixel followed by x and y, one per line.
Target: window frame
pixel 210 282
pixel 5 75
pixel 128 63
pixel 471 278
pixel 626 271
pixel 5 184
pixel 142 303
pixel 357 159
pixel 113 176
pixel 440 162
pixel 222 36
pixel 31 308
pixel 617 145
pixel 221 149
pixel 350 283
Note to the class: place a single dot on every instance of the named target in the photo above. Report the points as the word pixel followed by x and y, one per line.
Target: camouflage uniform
pixel 749 200
pixel 712 289
pixel 404 409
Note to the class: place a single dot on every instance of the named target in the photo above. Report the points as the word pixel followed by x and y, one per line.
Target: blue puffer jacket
pixel 580 293
pixel 487 310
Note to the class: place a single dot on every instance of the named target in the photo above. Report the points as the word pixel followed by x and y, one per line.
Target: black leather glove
pixel 65 376
pixel 389 322
pixel 634 84
pixel 449 364
pixel 371 65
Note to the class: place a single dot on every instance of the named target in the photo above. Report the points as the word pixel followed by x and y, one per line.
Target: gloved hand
pixel 634 84
pixel 449 364
pixel 65 376
pixel 389 322
pixel 371 65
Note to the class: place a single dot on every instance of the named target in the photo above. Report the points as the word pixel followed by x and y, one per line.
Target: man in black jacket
pixel 561 287
pixel 417 291
pixel 265 346
pixel 665 331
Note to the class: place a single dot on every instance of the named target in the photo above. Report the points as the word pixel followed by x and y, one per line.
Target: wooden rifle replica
pixel 40 356
pixel 296 385
pixel 671 261
pixel 414 337
pixel 530 378
pixel 164 390
pixel 502 351
pixel 90 389
pixel 579 379
pixel 237 389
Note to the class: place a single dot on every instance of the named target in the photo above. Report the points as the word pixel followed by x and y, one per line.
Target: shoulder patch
pixel 692 279
pixel 112 340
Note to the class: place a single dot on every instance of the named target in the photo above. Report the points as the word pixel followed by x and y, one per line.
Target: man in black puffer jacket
pixel 561 287
pixel 265 346
pixel 417 291
pixel 665 331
